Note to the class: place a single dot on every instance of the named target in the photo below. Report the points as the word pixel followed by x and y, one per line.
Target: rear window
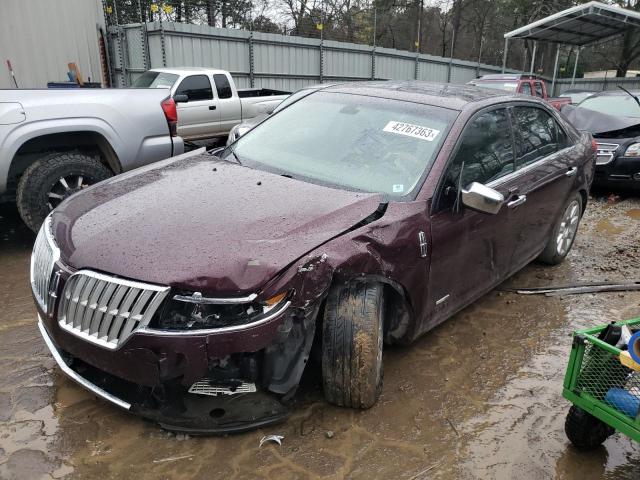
pixel 222 86
pixel 506 86
pixel 623 105
pixel 155 80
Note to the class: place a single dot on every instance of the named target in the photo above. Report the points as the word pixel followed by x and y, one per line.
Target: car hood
pixel 200 223
pixel 598 123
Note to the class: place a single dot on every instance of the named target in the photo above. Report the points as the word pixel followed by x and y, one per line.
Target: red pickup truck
pixel 526 84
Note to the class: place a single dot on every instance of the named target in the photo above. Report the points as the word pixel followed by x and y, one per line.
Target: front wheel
pixel 352 339
pixel 51 179
pixel 564 233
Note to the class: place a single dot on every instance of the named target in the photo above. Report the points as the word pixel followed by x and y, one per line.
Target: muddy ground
pixel 479 397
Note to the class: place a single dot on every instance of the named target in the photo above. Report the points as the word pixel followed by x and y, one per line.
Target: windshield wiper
pixel 632 95
pixel 235 156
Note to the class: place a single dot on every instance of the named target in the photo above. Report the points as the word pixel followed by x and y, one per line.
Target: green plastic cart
pixel 604 388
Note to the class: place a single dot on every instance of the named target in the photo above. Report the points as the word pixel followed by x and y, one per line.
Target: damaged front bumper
pixel 213 382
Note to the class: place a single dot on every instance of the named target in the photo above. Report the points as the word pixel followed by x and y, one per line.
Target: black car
pixel 613 118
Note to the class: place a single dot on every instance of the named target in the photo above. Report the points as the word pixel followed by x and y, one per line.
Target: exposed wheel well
pixel 585 198
pixel 399 316
pixel 88 142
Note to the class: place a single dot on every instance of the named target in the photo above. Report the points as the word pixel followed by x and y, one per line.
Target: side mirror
pixel 181 98
pixel 482 198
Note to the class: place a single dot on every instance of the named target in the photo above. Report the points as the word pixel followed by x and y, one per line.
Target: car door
pixel 546 176
pixel 230 107
pixel 199 115
pixel 472 251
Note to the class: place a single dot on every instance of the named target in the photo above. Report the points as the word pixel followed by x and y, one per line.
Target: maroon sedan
pixel 194 291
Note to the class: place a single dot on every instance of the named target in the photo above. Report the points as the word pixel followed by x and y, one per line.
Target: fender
pixel 25 132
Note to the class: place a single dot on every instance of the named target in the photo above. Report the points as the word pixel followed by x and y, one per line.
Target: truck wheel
pixel 352 337
pixel 51 179
pixel 585 431
pixel 563 233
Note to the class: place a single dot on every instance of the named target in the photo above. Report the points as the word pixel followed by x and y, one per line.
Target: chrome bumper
pixel 68 371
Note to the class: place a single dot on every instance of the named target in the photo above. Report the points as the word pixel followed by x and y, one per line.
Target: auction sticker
pixel 410 130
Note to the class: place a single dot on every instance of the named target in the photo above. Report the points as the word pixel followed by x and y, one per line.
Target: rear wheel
pixel 585 431
pixel 352 340
pixel 564 233
pixel 51 179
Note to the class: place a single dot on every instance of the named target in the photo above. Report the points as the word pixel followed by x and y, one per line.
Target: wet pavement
pixel 478 397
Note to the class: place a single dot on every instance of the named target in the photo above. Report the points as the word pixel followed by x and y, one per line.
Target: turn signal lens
pixel 276 299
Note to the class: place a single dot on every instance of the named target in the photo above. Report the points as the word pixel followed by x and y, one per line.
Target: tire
pixel 42 178
pixel 564 232
pixel 585 431
pixel 352 340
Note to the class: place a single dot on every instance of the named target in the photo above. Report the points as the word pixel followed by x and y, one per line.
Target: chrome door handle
pixel 518 201
pixel 572 171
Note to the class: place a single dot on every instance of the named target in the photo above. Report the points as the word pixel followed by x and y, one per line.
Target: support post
pixel 453 46
pixel 251 60
pixel 322 42
pixel 373 50
pixel 504 55
pixel 575 67
pixel 555 72
pixel 144 37
pixel 416 71
pixel 533 58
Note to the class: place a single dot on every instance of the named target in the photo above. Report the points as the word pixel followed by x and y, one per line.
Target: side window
pixel 539 134
pixel 222 86
pixel 196 87
pixel 538 88
pixel 485 154
pixel 526 88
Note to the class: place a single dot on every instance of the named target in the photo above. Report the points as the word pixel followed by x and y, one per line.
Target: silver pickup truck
pixel 209 104
pixel 56 142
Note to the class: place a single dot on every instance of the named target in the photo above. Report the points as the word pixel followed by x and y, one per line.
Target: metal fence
pixel 271 60
pixel 597 84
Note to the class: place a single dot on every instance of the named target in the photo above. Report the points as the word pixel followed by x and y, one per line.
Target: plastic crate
pixel 598 382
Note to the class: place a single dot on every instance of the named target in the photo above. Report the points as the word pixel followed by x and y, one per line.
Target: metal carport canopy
pixel 579 26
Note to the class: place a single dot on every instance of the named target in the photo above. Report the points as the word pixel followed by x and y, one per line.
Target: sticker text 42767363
pixel 410 130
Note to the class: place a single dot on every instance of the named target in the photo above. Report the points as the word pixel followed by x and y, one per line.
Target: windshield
pixel 155 80
pixel 507 86
pixel 619 105
pixel 351 141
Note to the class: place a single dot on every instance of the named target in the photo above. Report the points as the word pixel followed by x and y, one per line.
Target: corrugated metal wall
pixel 598 84
pixel 41 37
pixel 270 60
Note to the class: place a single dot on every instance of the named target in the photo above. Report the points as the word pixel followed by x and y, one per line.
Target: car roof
pixel 447 95
pixel 578 90
pixel 616 93
pixel 508 76
pixel 183 70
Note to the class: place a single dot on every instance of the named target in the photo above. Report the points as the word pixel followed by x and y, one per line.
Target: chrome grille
pixel 605 153
pixel 43 258
pixel 106 310
pixel 203 387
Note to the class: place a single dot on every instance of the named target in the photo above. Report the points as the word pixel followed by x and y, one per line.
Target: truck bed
pixel 260 92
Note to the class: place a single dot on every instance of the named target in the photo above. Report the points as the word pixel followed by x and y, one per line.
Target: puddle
pixel 605 226
pixel 634 213
pixel 478 397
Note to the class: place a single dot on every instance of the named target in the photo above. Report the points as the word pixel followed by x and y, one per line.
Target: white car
pixel 209 104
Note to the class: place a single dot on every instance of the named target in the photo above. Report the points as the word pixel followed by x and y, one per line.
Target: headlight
pixel 195 312
pixel 633 150
pixel 43 258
